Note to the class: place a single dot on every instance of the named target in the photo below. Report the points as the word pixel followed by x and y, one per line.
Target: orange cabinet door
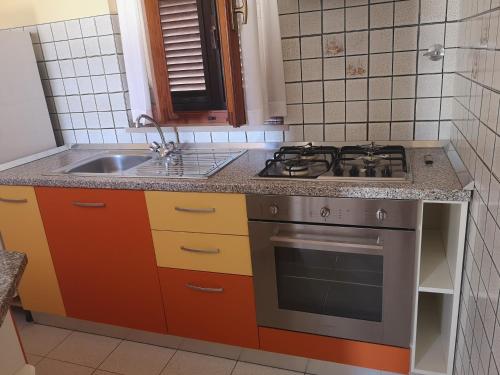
pixel 349 352
pixel 210 306
pixel 103 254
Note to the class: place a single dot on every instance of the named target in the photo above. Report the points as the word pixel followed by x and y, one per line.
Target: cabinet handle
pixel 202 289
pixel 203 251
pixel 89 204
pixel 5 200
pixel 196 210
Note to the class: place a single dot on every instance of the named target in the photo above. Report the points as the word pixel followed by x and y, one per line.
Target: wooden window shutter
pixel 177 61
pixel 183 51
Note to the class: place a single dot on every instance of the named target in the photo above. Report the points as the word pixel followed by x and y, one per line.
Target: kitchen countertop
pixel 430 182
pixel 12 266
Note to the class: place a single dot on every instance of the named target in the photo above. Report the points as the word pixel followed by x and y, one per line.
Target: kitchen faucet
pixel 166 148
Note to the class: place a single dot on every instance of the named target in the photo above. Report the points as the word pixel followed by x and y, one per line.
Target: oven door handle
pixel 372 247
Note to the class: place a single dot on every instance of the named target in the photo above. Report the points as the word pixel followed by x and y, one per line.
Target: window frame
pixel 232 75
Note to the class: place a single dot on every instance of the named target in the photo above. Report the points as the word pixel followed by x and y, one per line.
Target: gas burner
pixel 296 168
pixel 369 162
pixel 372 160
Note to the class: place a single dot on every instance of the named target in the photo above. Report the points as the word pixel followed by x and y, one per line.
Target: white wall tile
pixel 77 48
pixel 45 33
pixel 73 29
pixel 103 25
pixel 59 31
pixel 88 27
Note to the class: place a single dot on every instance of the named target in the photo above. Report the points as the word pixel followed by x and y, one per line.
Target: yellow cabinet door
pixel 198 212
pixel 21 229
pixel 203 252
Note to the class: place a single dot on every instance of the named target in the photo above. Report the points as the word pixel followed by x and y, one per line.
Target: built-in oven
pixel 335 267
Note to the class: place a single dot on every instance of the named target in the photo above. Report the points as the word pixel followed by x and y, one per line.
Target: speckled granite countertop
pixel 430 182
pixel 12 266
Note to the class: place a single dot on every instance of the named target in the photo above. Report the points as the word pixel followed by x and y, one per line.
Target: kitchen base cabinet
pixel 354 353
pixel 21 229
pixel 103 255
pixel 210 306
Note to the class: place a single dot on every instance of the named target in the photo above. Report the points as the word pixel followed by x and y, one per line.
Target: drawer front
pixel 198 212
pixel 203 252
pixel 209 306
pixel 21 229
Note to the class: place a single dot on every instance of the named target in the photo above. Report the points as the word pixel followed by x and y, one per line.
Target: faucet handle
pixel 155 147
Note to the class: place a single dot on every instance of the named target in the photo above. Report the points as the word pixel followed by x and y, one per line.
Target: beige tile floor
pixel 56 351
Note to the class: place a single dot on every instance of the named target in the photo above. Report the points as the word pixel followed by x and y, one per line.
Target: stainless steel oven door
pixel 354 283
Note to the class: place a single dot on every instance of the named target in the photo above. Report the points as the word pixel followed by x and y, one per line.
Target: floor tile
pixel 284 361
pixel 40 340
pixel 185 363
pixel 84 349
pixel 33 359
pixel 51 367
pixel 131 358
pixel 243 368
pixel 101 372
pixel 327 368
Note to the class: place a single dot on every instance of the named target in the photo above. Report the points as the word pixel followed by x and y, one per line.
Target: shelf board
pixel 434 270
pixel 431 346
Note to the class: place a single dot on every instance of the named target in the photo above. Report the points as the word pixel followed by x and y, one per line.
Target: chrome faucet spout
pixel 166 148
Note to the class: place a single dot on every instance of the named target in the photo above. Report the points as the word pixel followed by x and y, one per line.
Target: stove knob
pixel 324 212
pixel 274 210
pixel 381 214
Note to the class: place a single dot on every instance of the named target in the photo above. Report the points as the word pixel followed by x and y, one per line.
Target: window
pixel 196 62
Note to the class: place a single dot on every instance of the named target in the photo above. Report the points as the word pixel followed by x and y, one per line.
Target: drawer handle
pixel 206 290
pixel 202 251
pixel 5 200
pixel 196 210
pixel 89 204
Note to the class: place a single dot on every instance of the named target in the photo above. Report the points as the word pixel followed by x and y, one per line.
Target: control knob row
pixel 381 214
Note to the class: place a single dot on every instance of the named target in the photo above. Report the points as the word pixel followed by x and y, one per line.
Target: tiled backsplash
pixel 355 70
pixel 476 136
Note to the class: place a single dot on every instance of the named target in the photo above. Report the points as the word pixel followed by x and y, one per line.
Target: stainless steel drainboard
pixel 189 163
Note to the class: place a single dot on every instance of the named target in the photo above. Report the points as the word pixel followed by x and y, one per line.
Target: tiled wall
pixel 354 71
pixel 83 76
pixel 476 135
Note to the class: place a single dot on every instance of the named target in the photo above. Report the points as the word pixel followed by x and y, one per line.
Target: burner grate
pixel 371 162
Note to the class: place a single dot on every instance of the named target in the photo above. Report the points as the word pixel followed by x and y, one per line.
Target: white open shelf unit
pixel 440 251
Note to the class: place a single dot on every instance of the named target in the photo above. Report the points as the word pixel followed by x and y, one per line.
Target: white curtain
pixel 262 59
pixel 132 29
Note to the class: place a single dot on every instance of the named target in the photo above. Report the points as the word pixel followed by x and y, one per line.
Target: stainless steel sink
pixel 185 163
pixel 110 164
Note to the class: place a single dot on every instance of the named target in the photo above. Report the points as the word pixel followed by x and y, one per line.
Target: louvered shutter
pixel 183 50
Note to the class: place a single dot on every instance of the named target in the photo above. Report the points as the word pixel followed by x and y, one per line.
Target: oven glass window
pixel 330 283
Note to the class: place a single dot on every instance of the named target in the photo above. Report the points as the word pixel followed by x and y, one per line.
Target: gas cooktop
pixel 370 162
